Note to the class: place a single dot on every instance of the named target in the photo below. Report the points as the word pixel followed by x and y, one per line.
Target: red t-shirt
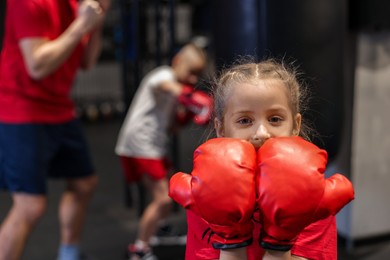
pixel 317 241
pixel 23 99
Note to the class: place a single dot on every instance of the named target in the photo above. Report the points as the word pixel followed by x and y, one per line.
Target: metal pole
pixel 157 17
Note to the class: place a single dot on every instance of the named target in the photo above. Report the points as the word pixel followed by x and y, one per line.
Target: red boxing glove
pixel 221 190
pixel 293 192
pixel 198 103
pixel 183 115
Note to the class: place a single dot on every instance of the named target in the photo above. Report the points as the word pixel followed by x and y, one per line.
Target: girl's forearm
pixel 277 255
pixel 233 254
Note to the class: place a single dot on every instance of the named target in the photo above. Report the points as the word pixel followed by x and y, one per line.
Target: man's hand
pixel 90 14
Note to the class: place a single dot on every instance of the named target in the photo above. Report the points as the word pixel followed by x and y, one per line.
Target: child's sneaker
pixel 134 254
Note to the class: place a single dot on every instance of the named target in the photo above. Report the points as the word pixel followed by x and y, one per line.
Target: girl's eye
pixel 244 121
pixel 275 120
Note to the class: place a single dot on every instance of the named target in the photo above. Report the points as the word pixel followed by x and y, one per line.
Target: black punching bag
pixel 234 29
pixel 312 33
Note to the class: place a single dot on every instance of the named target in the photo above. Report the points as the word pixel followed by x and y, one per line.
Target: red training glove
pixel 198 103
pixel 292 190
pixel 221 190
pixel 183 115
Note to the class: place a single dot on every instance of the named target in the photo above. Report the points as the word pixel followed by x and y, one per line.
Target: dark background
pixel 318 36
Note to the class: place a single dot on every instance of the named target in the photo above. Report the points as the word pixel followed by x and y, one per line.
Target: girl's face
pixel 258 112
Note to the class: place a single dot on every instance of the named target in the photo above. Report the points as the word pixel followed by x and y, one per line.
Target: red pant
pixel 134 168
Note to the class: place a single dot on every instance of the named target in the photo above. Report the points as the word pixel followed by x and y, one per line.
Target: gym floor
pixel 111 224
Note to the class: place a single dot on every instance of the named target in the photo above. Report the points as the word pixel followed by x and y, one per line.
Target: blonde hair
pixel 252 72
pixel 191 49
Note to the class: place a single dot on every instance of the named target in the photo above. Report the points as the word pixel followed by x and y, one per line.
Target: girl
pixel 253 102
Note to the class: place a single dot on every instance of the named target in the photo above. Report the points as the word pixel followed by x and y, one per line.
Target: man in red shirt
pixel 45 43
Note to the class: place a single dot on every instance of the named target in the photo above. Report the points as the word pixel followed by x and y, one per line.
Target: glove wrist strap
pixel 269 246
pixel 217 245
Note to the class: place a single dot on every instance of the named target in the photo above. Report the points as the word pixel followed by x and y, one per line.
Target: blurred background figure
pixel 39 134
pixel 143 142
pixel 341 45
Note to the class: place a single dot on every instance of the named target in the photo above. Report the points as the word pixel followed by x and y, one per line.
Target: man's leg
pixel 73 208
pixel 23 216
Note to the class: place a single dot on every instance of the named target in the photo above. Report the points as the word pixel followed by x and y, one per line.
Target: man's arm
pixel 43 56
pixel 94 47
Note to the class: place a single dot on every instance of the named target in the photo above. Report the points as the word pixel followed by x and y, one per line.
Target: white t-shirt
pixel 144 133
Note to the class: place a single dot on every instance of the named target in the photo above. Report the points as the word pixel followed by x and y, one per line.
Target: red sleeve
pixel 318 241
pixel 31 19
pixel 254 251
pixel 197 247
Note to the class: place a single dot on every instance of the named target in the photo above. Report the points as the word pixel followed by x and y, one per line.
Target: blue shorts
pixel 30 153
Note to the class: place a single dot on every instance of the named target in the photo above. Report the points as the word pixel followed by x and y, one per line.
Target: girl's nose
pixel 261 134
